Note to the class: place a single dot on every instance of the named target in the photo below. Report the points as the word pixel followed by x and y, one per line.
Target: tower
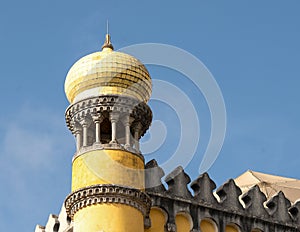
pixel 108 93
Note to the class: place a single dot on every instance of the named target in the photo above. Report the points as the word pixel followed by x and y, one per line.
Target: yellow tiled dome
pixel 108 73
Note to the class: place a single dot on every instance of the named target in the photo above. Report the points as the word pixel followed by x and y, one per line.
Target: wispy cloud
pixel 36 144
pixel 33 138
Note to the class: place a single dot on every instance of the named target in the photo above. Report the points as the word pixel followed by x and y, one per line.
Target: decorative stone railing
pixel 125 119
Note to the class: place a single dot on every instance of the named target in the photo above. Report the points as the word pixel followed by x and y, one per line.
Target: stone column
pixel 77 131
pixel 127 123
pixel 114 117
pixel 78 138
pixel 97 120
pixel 85 123
pixel 137 132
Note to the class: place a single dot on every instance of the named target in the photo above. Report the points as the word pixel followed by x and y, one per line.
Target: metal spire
pixel 107 43
pixel 107 27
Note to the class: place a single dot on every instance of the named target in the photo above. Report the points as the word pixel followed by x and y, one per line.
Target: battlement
pixel 250 211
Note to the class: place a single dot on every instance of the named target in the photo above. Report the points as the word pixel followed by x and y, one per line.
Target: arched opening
pixel 232 228
pixel 208 225
pixel 158 220
pixel 105 131
pixel 256 230
pixel 56 227
pixel 183 222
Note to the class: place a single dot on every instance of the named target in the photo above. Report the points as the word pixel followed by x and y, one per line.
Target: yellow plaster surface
pixel 108 218
pixel 108 167
pixel 158 221
pixel 231 228
pixel 182 223
pixel 207 226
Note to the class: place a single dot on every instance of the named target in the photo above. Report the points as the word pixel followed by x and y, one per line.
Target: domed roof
pixel 108 73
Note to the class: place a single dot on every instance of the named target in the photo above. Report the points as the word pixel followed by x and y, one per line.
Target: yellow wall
pixel 108 167
pixel 207 226
pixel 231 228
pixel 183 224
pixel 108 218
pixel 115 167
pixel 158 221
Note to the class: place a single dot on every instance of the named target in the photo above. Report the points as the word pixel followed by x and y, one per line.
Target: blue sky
pixel 252 49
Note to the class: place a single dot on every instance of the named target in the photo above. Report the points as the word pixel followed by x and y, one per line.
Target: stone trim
pixel 99 194
pixel 106 147
pixel 138 110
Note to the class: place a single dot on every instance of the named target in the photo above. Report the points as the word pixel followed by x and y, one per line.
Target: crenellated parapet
pixel 225 207
pixel 60 223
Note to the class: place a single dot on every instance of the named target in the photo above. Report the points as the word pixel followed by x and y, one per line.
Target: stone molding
pixel 107 194
pixel 139 111
pixel 106 147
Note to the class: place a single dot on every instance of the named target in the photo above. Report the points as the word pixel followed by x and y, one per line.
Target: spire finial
pixel 107 43
pixel 107 27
